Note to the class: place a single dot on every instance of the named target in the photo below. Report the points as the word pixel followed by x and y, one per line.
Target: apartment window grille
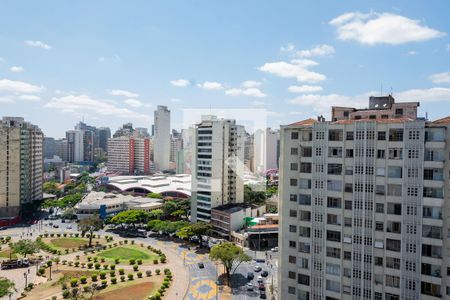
pixel 349 136
pixel 396 135
pixel 294 151
pixel 293 182
pixel 335 135
pixel 292 244
pixel 306 151
pixel 294 166
pixel 293 197
pixel 381 135
pixel 294 135
pixel 348 204
pixel 393 263
pixel 305 199
pixel 349 153
pixel 303 279
pixel 292 259
pixel 381 153
pixel 393 245
pixel 291 275
pixel 393 281
pixel 293 213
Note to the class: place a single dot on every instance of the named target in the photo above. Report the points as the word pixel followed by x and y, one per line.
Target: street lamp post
pixel 25 275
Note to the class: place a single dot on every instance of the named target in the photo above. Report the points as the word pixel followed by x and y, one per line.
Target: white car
pixel 249 286
pixel 260 279
pixel 257 268
pixel 274 249
pixel 69 227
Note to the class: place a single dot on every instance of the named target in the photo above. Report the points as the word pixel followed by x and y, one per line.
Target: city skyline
pixel 202 55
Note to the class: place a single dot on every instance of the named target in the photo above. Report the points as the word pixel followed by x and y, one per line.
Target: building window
pixel 305 199
pixel 293 182
pixel 348 204
pixel 294 135
pixel 334 236
pixel 292 244
pixel 294 167
pixel 294 151
pixel 292 228
pixel 303 279
pixel 291 290
pixel 293 197
pixel 381 153
pixel 393 263
pixel 393 245
pixel 291 275
pixel 293 213
pixel 399 112
pixel 381 135
pixel 393 281
pixel 292 259
pixel 349 136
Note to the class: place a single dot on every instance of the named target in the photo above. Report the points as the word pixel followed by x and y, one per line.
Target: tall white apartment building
pixel 161 149
pixel 265 151
pixel 364 205
pixel 129 155
pixel 218 166
pixel 21 165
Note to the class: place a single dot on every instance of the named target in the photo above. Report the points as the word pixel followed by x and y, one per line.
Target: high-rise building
pixel 80 144
pixel 184 157
pixel 49 147
pixel 103 134
pixel 21 165
pixel 176 144
pixel 265 152
pixel 128 155
pixel 161 149
pixel 249 152
pixel 218 166
pixel 62 149
pixel 364 205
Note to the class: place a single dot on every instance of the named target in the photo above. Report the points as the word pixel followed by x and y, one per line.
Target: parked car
pixel 201 265
pixel 274 249
pixel 264 273
pixel 69 227
pixel 260 279
pixel 249 286
pixel 257 268
pixel 261 287
pixel 250 275
pixel 55 226
pixel 262 295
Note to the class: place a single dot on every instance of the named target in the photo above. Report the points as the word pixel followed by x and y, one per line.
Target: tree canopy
pixel 229 255
pixel 90 224
pixel 25 247
pixel 132 216
pixel 250 196
pixel 7 287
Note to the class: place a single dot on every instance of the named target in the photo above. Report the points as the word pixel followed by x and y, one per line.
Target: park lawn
pixel 5 254
pixel 68 242
pixel 131 290
pixel 67 275
pixel 126 252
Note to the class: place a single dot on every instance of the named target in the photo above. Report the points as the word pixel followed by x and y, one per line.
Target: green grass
pixel 128 252
pixel 5 286
pixel 68 243
pixel 5 253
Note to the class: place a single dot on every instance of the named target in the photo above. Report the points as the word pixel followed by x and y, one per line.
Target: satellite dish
pixel 376 105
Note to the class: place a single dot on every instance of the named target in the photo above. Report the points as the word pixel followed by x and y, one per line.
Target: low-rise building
pixel 107 204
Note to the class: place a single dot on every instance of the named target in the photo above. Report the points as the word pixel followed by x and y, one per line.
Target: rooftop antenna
pixel 391 91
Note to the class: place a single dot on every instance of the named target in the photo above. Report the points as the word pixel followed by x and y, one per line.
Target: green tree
pixel 90 225
pixel 7 287
pixel 51 187
pixel 229 255
pixel 253 197
pixel 185 232
pixel 195 229
pixel 156 213
pixel 25 247
pixel 132 216
pixel 68 213
pixel 178 213
pixel 154 195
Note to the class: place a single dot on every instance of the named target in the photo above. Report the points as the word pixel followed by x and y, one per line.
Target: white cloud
pixel 133 102
pixel 297 68
pixel 319 50
pixel 180 82
pixel 6 99
pixel 440 77
pixel 31 98
pixel 250 83
pixel 304 88
pixel 382 28
pixel 288 48
pixel 251 92
pixel 85 104
pixel 101 59
pixel 16 69
pixel 175 100
pixel 19 86
pixel 210 85
pixel 38 44
pixel 258 103
pixel 123 93
pixel 321 104
pixel 2 59
pixel 412 52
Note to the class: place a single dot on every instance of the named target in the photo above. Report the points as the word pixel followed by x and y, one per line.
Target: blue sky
pixel 113 62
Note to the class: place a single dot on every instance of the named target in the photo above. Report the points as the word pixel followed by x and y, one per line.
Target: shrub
pixel 83 264
pixel 114 280
pixel 120 242
pixel 148 273
pixel 83 279
pixel 155 261
pixel 112 273
pixel 70 263
pixel 89 265
pixel 163 259
pixel 89 258
pixel 64 234
pixel 64 286
pixel 166 271
pixel 94 277
pixel 97 266
pixel 64 262
pixel 102 275
pixel 67 251
pixel 77 264
pixel 122 278
pixel 77 234
pixel 53 297
pixel 117 261
pixel 158 271
pixel 105 267
pixel 126 241
pixel 130 276
pixel 157 296
pixel 58 234
pixel 95 259
pixel 135 267
pixel 41 271
pixel 132 242
pixel 132 261
pixel 86 288
pixel 77 257
pixel 66 294
pixel 104 283
pixel 121 271
pixel 112 267
pixel 139 274
pixel 139 261
pixel 102 259
pixel 73 282
pixel 165 285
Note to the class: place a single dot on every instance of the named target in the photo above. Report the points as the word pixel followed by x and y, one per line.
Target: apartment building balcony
pixel 435 144
pixel 435 164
